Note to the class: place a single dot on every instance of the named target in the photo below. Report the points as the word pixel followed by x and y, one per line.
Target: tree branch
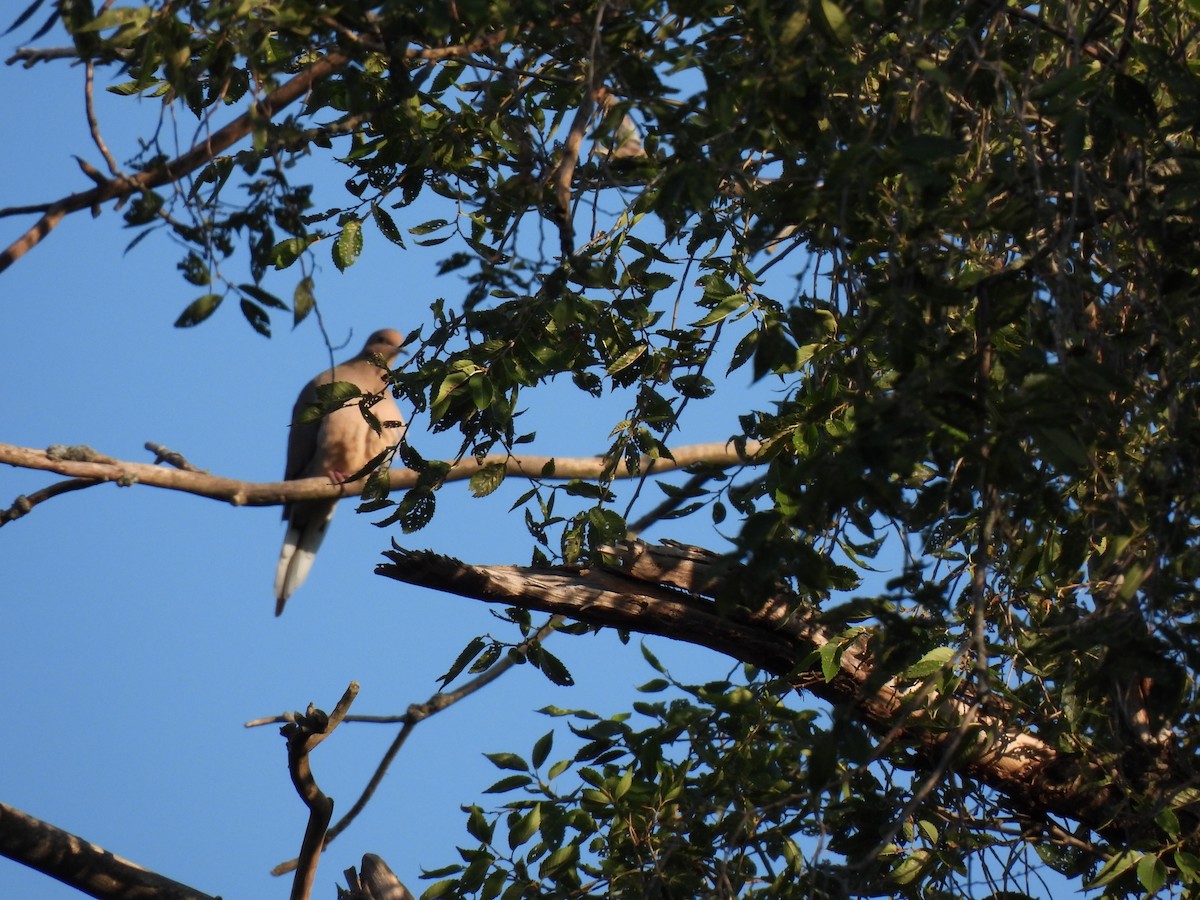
pixel 668 590
pixel 303 734
pixel 170 172
pixel 417 713
pixel 85 867
pixel 85 463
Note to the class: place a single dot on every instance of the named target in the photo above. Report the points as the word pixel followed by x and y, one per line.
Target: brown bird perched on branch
pixel 337 446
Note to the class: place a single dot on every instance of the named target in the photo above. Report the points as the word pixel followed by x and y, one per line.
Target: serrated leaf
pixel 478 827
pixel 198 310
pixel 541 749
pixel 489 656
pixel 428 227
pixel 721 311
pixel 439 889
pixel 831 659
pixel 386 225
pixel 264 297
pixel 256 316
pixel 288 251
pixel 552 667
pixel 931 663
pixel 487 479
pixel 559 858
pixel 415 510
pixel 331 396
pixel 467 654
pixel 135 16
pixel 508 783
pixel 649 656
pixel 303 300
pixel 508 761
pixel 626 359
pixel 348 245
pixel 605 525
pixel 1116 866
pixel 525 828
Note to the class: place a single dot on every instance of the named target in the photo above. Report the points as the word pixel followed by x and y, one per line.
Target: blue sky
pixel 138 624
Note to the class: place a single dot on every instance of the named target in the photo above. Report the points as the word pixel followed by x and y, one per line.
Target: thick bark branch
pixel 83 462
pixel 660 590
pixel 85 867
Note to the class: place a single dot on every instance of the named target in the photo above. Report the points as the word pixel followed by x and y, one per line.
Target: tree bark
pixel 669 590
pixel 85 867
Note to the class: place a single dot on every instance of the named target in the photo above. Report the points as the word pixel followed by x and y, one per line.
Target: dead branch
pixel 85 867
pixel 417 713
pixel 375 882
pixel 666 590
pixel 303 734
pixel 85 463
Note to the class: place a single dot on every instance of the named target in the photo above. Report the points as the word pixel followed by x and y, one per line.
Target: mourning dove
pixel 337 446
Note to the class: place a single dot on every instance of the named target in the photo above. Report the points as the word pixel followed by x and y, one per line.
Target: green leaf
pixel 649 656
pixel 721 311
pixel 134 16
pixel 558 859
pixel 488 478
pixel 385 224
pixel 835 18
pixel 525 828
pixel 1116 866
pixel 256 316
pixel 508 761
pixel 930 664
pixel 428 227
pixel 626 359
pixel 467 654
pixel 479 827
pixel 263 297
pixel 1188 865
pixel 348 245
pixel 542 748
pixel 605 526
pixel 439 889
pixel 508 783
pixel 198 310
pixel 331 396
pixel 552 667
pixel 831 659
pixel 288 251
pixel 1151 873
pixel 303 300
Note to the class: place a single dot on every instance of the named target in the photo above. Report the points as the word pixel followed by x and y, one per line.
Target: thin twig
pixel 26 502
pixel 167 455
pixel 94 123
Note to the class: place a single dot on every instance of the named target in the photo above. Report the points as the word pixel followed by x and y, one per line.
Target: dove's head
pixel 384 343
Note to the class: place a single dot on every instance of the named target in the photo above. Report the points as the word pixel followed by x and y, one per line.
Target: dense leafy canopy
pixel 961 237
